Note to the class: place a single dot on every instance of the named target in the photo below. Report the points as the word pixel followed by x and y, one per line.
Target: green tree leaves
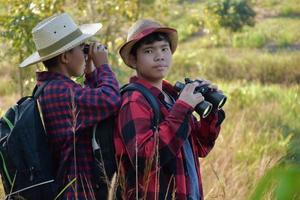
pixel 232 14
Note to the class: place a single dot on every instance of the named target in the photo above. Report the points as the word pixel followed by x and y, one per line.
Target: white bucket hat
pixel 56 35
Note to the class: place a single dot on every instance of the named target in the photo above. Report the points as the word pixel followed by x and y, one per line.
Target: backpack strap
pixel 37 91
pixel 149 97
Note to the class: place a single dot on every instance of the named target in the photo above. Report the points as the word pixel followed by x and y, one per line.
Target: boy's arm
pixel 100 74
pixel 134 125
pixel 99 101
pixel 206 131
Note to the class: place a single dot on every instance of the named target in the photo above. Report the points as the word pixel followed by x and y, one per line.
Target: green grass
pixel 229 64
pixel 286 8
pixel 250 39
pixel 280 31
pixel 277 31
pixel 267 52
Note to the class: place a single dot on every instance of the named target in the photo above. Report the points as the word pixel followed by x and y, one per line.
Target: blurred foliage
pixel 115 15
pixel 16 24
pixel 189 24
pixel 281 181
pixel 232 14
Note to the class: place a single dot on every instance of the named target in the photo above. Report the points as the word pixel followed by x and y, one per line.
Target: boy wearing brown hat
pixel 69 110
pixel 160 163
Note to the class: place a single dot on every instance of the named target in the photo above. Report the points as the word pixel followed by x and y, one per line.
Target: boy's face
pixel 153 61
pixel 76 62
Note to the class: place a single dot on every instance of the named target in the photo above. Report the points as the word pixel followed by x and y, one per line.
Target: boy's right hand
pixel 98 54
pixel 187 95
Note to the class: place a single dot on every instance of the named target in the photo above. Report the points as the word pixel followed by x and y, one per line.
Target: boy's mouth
pixel 160 67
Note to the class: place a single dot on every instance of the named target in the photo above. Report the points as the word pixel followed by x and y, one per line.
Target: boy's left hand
pixel 213 87
pixel 97 56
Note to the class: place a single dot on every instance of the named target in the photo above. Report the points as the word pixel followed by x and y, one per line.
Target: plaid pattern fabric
pixel 69 112
pixel 135 140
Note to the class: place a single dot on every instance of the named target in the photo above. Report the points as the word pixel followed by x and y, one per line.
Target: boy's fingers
pixel 190 87
pixel 101 47
pixel 95 49
pixel 91 49
pixel 199 97
pixel 204 82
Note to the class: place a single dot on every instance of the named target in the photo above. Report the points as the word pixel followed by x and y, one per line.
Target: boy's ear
pixel 63 58
pixel 132 61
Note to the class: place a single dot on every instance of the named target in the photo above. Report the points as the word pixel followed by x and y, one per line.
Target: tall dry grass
pixel 261 122
pixel 253 139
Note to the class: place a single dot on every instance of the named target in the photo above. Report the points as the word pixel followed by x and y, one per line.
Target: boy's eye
pixel 165 49
pixel 148 51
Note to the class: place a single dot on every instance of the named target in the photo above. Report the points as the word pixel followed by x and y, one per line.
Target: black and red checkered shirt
pixel 70 111
pixel 135 140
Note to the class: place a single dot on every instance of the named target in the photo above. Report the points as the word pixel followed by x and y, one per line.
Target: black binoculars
pixel 212 98
pixel 86 48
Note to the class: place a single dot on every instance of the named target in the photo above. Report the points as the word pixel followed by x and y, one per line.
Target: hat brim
pixel 126 48
pixel 88 30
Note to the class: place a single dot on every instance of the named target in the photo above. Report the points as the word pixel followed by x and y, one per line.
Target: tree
pixel 16 25
pixel 115 15
pixel 232 14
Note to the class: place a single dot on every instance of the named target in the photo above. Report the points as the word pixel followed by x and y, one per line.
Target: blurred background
pixel 250 49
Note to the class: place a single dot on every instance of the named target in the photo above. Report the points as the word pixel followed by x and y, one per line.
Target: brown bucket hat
pixel 141 29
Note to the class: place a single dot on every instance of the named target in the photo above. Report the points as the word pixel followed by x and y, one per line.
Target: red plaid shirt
pixel 134 132
pixel 69 112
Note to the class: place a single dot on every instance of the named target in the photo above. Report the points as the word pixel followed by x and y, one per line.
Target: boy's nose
pixel 159 57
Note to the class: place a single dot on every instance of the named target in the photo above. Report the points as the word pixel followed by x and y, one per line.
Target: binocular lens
pixel 206 111
pixel 222 102
pixel 203 108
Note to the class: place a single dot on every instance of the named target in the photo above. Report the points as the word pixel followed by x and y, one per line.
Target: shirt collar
pixel 46 75
pixel 166 86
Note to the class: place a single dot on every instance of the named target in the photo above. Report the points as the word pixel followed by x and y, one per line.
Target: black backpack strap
pixel 37 91
pixel 149 97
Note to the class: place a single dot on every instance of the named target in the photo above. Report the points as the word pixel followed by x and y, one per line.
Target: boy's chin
pixel 78 74
pixel 156 78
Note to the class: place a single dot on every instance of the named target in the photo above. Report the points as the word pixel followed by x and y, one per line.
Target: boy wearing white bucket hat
pixel 69 110
pixel 160 162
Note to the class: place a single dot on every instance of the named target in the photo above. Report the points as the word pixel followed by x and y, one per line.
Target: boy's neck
pixel 157 84
pixel 59 70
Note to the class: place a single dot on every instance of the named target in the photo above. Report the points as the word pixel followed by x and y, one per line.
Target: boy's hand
pixel 187 94
pixel 209 84
pixel 98 55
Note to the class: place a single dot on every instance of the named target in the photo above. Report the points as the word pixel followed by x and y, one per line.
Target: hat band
pixel 144 33
pixel 60 43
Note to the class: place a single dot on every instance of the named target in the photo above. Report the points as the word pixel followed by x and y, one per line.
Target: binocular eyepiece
pixel 213 98
pixel 86 48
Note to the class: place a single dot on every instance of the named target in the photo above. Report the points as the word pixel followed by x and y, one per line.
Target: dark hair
pixel 149 39
pixel 53 62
